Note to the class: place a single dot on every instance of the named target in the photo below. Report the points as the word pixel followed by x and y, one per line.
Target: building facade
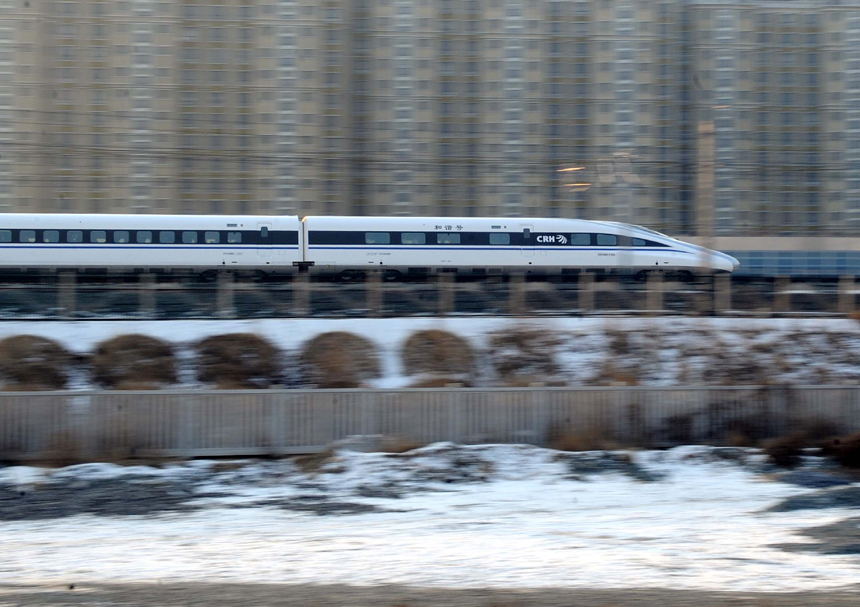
pixel 567 108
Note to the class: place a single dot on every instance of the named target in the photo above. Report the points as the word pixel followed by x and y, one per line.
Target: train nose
pixel 735 263
pixel 726 263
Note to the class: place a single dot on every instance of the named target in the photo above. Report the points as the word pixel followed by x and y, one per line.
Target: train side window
pixel 166 237
pixel 377 238
pixel 607 240
pixel 189 237
pixel 212 237
pixel 447 238
pixel 5 235
pixel 144 237
pixel 234 237
pixel 121 237
pixel 98 236
pixel 500 238
pixel 413 238
pixel 51 236
pixel 27 236
pixel 638 242
pixel 74 236
pixel 580 240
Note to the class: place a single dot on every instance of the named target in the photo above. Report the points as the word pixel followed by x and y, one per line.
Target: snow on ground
pixel 664 351
pixel 444 516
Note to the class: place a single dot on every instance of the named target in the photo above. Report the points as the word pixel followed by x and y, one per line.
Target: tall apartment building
pixel 470 107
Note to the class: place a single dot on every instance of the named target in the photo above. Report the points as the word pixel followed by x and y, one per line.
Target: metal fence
pixel 81 426
pixel 66 296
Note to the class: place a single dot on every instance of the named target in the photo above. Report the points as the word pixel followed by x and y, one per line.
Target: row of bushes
pixel 238 360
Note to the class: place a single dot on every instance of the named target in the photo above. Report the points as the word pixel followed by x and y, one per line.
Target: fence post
pixel 722 293
pixel 654 297
pixel 301 294
pixel 146 293
pixel 373 293
pixel 67 294
pixel 225 294
pixel 781 297
pixel 446 292
pixel 516 294
pixel 586 292
pixel 846 294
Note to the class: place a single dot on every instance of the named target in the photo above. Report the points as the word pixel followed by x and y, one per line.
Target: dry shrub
pixel 593 438
pixel 238 361
pixel 440 382
pixel 855 316
pixel 439 353
pixel 29 362
pixel 339 359
pixel 523 353
pixel 845 450
pixel 134 362
pixel 613 375
pixel 400 445
pixel 786 450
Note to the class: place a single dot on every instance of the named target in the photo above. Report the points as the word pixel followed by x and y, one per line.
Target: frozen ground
pixel 442 516
pixel 660 351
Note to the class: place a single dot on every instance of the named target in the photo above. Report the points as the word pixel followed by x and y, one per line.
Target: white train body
pixel 270 244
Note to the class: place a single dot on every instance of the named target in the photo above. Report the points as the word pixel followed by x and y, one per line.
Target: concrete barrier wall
pixel 53 426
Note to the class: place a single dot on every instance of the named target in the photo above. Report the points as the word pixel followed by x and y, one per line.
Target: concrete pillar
pixel 654 295
pixel 67 295
pixel 373 293
pixel 445 282
pixel 146 292
pixel 847 286
pixel 516 294
pixel 301 294
pixel 226 284
pixel 722 293
pixel 586 292
pixel 781 297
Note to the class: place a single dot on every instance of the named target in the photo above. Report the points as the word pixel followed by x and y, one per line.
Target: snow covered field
pixel 483 516
pixel 659 351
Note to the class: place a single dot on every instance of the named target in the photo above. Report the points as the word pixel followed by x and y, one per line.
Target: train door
pixel 264 245
pixel 528 240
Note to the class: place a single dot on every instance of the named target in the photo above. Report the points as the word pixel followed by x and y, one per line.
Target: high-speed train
pixel 342 245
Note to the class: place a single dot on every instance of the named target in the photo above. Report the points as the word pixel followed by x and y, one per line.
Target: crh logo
pixel 557 239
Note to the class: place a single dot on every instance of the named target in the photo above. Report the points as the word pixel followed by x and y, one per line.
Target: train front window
pixel 607 240
pixel 98 236
pixel 212 237
pixel 638 242
pixel 144 237
pixel 51 236
pixel 5 235
pixel 28 236
pixel 580 240
pixel 74 236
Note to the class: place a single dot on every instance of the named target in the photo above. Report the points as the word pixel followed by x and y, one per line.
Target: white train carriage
pixel 150 242
pixel 422 245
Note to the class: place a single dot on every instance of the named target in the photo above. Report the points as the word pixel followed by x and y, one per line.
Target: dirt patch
pixel 304 595
pixel 842 537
